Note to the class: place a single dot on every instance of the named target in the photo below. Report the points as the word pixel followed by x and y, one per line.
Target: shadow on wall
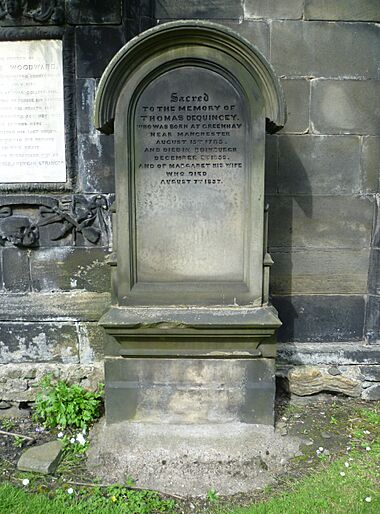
pixel 282 204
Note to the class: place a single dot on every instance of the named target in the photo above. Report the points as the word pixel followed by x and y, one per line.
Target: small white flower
pixel 25 481
pixel 84 431
pixel 366 432
pixel 350 436
pixel 317 452
pixel 350 458
pixel 60 434
pixel 348 448
pixel 320 448
pixel 342 474
pixel 368 448
pixel 346 464
pixel 70 490
pixel 81 440
pixel 72 440
pixel 368 499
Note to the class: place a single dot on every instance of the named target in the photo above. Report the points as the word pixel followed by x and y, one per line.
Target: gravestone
pixel 192 335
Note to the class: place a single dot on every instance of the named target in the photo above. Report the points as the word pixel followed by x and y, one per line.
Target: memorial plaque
pixel 191 178
pixel 32 132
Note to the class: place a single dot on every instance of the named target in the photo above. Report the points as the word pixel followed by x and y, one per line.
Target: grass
pixel 14 500
pixel 349 485
pixel 340 486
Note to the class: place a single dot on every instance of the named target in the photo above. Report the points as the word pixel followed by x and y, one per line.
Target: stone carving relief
pixel 71 217
pixel 23 12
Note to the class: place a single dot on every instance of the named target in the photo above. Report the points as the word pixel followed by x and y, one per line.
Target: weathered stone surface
pixel 371 393
pixel 338 354
pixel 370 373
pixel 306 380
pixel 374 272
pixel 309 50
pixel 257 32
pixel 85 96
pixel 96 163
pixel 273 9
pixel 319 164
pixel 103 42
pixel 188 460
pixel 350 10
pixel 76 306
pixel 92 343
pixel 320 318
pixel 189 391
pixel 320 271
pixel 5 405
pixel 318 221
pixel 345 106
pixel 376 228
pixel 38 342
pixel 84 12
pixel 41 459
pixel 271 165
pixel 16 270
pixel 372 324
pixel 16 384
pixel 297 95
pixel 70 268
pixel 213 9
pixel 370 163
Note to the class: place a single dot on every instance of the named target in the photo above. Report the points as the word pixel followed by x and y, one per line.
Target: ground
pixel 331 427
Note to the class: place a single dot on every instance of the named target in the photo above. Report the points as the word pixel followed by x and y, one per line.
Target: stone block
pixel 376 224
pixel 297 96
pixel 273 9
pixel 374 272
pixel 370 164
pixel 139 8
pixel 213 9
pixel 305 221
pixel 370 373
pixel 38 342
pixel 320 318
pixel 70 268
pixel 321 49
pixel 349 10
pixel 345 106
pixel 321 271
pixel 95 47
pixel 372 323
pixel 16 274
pixel 41 459
pixel 271 165
pixel 319 165
pixel 256 32
pixel 15 386
pixel 306 380
pixel 87 12
pixel 73 306
pixel 85 91
pixel 371 393
pixel 93 341
pixel 338 354
pixel 96 163
pixel 190 391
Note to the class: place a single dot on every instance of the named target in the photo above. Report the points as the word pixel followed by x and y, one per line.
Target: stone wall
pixel 322 187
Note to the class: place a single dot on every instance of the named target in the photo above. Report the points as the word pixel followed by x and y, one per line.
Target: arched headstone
pixel 189 104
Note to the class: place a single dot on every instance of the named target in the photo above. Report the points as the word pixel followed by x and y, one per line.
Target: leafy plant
pixel 7 424
pixel 212 495
pixel 66 406
pixel 18 442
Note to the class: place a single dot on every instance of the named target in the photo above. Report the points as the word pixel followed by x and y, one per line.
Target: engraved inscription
pixel 190 178
pixel 32 113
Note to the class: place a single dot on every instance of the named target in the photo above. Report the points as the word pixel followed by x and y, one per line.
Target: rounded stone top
pixel 171 37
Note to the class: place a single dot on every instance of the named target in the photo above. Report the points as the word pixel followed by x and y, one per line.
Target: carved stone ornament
pixel 71 217
pixel 25 12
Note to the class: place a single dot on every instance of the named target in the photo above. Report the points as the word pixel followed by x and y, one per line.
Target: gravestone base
pixel 189 460
pixel 185 391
